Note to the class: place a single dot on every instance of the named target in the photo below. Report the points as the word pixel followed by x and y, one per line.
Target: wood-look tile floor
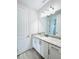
pixel 31 54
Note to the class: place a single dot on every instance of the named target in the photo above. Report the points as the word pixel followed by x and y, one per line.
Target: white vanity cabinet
pixel 45 49
pixel 54 52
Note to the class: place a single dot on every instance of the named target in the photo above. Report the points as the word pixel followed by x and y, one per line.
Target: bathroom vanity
pixel 47 47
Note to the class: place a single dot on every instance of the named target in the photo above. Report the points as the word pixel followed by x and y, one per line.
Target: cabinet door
pixel 38 45
pixel 34 43
pixel 54 52
pixel 44 49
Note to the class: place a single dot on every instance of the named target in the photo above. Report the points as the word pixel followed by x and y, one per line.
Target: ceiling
pixel 37 4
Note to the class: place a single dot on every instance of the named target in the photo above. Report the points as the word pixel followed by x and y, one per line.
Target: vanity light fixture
pixel 49 11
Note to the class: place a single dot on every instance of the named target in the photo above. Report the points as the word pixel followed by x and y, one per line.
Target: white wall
pixel 33 22
pixel 27 24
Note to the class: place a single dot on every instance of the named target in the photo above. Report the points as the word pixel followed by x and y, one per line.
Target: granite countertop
pixel 50 40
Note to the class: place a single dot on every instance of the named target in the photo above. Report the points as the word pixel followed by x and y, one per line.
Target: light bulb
pixel 51 11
